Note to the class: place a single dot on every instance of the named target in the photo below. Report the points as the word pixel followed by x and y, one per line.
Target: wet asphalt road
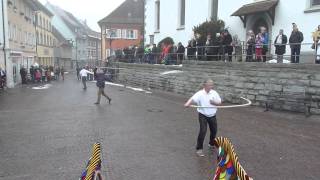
pixel 48 134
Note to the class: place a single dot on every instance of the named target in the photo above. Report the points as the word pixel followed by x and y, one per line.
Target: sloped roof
pixel 57 34
pixel 129 12
pixel 256 7
pixel 41 7
pixel 67 17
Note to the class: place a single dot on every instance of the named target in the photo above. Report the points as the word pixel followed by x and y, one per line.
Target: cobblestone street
pixel 48 134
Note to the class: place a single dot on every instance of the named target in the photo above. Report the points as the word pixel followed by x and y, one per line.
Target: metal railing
pixel 294 53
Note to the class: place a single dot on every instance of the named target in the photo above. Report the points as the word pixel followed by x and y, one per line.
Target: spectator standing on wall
pixel 180 53
pixel 295 40
pixel 265 42
pixel 250 46
pixel 154 54
pixel 227 43
pixel 209 48
pixel 200 47
pixel 259 46
pixel 280 45
pixel 316 40
pixel 191 49
pixel 221 49
pixel 237 47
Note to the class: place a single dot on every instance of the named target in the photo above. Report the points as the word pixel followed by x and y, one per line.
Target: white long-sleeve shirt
pixel 84 73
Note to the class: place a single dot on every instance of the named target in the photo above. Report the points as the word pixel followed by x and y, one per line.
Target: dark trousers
pixel 295 54
pixel 84 82
pixel 264 54
pixel 101 92
pixel 203 121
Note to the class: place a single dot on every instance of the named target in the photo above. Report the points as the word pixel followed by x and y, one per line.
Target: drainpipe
pixel 8 63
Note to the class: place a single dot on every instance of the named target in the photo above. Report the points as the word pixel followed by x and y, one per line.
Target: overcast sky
pixel 91 10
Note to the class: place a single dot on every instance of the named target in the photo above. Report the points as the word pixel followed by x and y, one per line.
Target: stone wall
pixel 284 86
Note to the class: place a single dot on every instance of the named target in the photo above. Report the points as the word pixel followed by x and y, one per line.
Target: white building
pixel 176 18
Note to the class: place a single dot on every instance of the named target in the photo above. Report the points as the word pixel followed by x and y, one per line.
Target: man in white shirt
pixel 83 74
pixel 209 99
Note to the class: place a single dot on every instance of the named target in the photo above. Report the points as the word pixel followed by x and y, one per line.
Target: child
pixel 259 45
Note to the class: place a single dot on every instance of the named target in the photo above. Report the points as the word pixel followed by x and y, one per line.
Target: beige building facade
pixel 45 37
pixel 21 36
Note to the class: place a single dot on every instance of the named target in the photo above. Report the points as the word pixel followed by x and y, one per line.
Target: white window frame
pixel 181 12
pixel 157 21
pixel 117 33
pixel 311 4
pixel 131 34
pixel 213 9
pixel 124 33
pixel 312 8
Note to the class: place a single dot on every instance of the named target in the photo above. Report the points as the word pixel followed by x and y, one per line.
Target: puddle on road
pixel 155 110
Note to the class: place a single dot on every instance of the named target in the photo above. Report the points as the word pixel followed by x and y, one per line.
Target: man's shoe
pixel 96 103
pixel 211 146
pixel 200 153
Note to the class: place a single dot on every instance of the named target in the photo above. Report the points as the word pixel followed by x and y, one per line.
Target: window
pixel 157 15
pixel 10 31
pixel 113 33
pixel 151 39
pixel 213 9
pixel 14 32
pixel 25 37
pixel 40 21
pixel 41 38
pixel 131 34
pixel 37 37
pixel 182 11
pixel 315 2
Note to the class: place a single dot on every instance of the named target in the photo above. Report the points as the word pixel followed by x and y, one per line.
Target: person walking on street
pixel 78 73
pixel 101 79
pixel 62 72
pixel 280 44
pixel 207 97
pixel 83 74
pixel 295 43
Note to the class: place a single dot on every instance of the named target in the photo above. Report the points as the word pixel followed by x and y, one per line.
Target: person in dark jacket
pixel 101 79
pixel 280 45
pixel 227 44
pixel 250 46
pixel 191 49
pixel 295 43
pixel 180 53
pixel 23 74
